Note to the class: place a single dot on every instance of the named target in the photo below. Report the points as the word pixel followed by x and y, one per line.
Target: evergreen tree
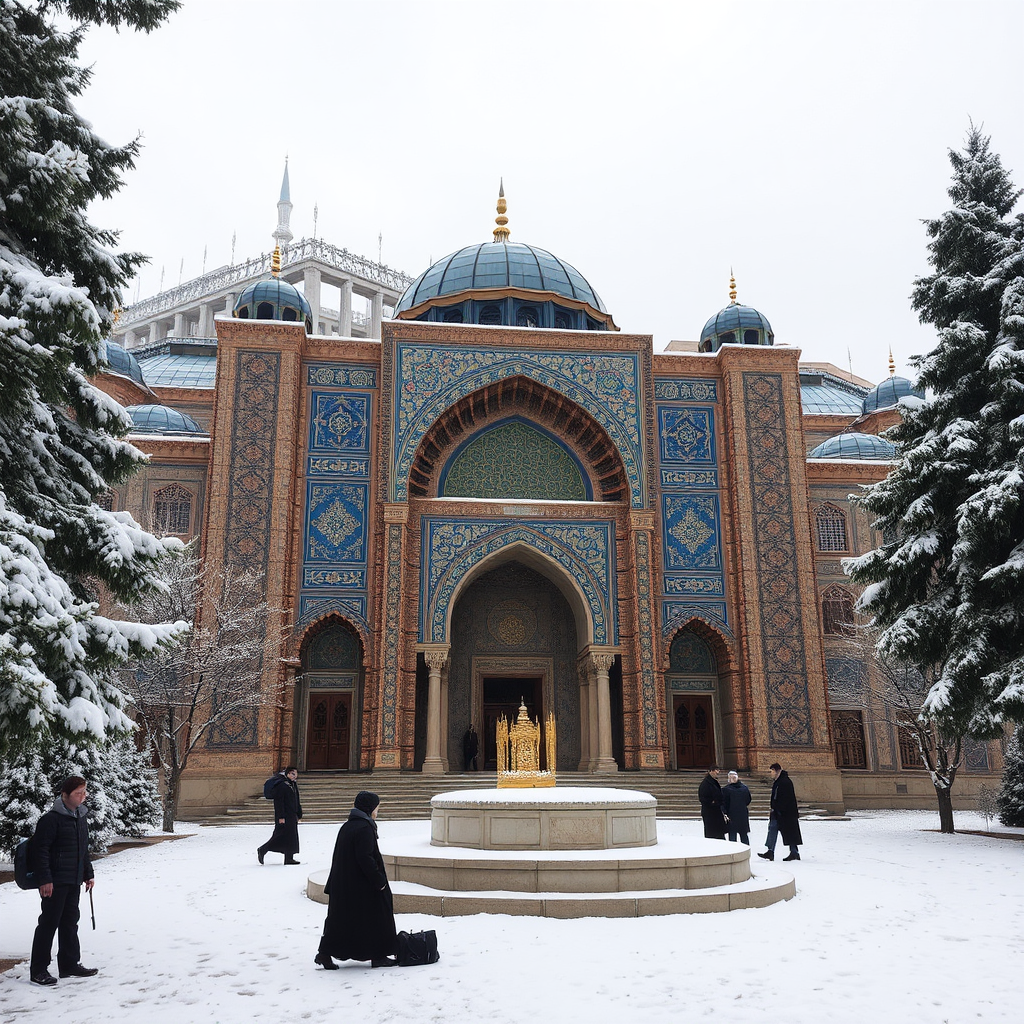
pixel 1010 802
pixel 946 587
pixel 25 793
pixel 60 437
pixel 130 785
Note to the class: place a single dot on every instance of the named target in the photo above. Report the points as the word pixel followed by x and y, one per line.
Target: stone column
pixel 205 320
pixel 345 313
pixel 602 665
pixel 154 332
pixel 179 325
pixel 584 764
pixel 376 314
pixel 130 339
pixel 432 763
pixel 444 716
pixel 311 289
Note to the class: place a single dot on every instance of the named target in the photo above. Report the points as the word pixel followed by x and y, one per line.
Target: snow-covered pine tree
pixel 25 794
pixel 60 437
pixel 130 785
pixel 1010 802
pixel 946 588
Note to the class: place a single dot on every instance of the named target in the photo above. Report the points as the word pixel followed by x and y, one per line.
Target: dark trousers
pixel 60 915
pixel 744 837
pixel 773 837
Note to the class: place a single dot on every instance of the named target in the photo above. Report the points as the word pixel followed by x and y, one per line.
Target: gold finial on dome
pixel 892 364
pixel 501 232
pixel 275 262
pixel 732 287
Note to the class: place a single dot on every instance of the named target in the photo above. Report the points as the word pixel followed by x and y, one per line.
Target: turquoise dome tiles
pixel 429 379
pixel 514 460
pixel 450 549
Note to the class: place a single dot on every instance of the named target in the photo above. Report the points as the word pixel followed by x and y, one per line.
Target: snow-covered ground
pixel 891 922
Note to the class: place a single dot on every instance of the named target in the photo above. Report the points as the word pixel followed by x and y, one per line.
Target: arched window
pixel 453 315
pixel 172 510
pixel 751 337
pixel 563 320
pixel 526 316
pixel 290 314
pixel 910 753
pixel 729 338
pixel 837 611
pixel 830 527
pixel 848 737
pixel 490 315
pixel 265 311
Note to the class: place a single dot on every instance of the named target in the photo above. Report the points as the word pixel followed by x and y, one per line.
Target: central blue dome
pixel 499 265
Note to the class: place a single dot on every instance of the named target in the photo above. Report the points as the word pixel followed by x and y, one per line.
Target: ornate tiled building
pixel 507 498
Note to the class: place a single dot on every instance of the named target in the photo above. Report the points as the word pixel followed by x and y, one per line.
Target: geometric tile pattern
pixel 775 546
pixel 584 548
pixel 690 531
pixel 430 379
pixel 393 599
pixel 648 695
pixel 338 376
pixel 336 522
pixel 687 435
pixel 680 390
pixel 339 422
pixel 847 680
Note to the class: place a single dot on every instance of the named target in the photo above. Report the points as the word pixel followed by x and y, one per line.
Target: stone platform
pixel 560 818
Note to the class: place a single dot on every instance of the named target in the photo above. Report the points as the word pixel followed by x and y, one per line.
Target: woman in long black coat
pixel 287 811
pixel 710 795
pixel 360 915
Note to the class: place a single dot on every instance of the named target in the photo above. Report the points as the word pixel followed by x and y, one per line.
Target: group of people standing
pixel 726 809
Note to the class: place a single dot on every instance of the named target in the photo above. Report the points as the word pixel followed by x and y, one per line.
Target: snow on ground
pixel 891 922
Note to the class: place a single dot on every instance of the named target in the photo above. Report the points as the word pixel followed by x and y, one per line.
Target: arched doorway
pixel 692 702
pixel 513 637
pixel 332 673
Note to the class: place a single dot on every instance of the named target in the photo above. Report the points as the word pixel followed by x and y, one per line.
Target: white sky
pixel 651 145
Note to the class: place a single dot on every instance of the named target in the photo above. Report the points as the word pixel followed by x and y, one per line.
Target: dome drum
pixel 515 310
pixel 273 300
pixel 736 325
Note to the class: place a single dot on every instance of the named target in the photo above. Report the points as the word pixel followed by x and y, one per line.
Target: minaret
pixel 283 234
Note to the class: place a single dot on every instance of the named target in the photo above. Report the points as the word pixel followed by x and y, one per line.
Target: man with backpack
pixel 60 855
pixel 283 789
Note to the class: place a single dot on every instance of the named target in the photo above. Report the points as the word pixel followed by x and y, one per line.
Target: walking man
pixel 735 800
pixel 784 817
pixel 60 851
pixel 470 748
pixel 710 796
pixel 287 811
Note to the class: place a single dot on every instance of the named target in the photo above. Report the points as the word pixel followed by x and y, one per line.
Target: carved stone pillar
pixel 388 751
pixel 602 665
pixel 179 325
pixel 376 314
pixel 311 289
pixel 435 659
pixel 345 313
pixel 581 670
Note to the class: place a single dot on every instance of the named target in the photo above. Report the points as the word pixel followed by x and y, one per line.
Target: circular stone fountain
pixel 565 852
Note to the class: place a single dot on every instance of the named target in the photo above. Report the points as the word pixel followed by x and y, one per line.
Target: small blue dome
pixel 855 446
pixel 499 265
pixel 162 419
pixel 121 361
pixel 736 325
pixel 887 394
pixel 273 300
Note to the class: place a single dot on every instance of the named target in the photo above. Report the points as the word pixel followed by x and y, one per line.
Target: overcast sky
pixel 651 145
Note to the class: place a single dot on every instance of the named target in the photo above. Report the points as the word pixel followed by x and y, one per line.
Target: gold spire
pixel 501 232
pixel 892 364
pixel 732 287
pixel 275 262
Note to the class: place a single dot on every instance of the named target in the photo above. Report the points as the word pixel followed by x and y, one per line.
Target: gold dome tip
pixel 501 232
pixel 892 364
pixel 275 262
pixel 732 286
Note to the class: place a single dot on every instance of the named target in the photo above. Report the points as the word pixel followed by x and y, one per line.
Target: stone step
pixel 327 796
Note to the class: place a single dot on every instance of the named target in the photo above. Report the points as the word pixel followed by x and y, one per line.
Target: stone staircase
pixel 328 796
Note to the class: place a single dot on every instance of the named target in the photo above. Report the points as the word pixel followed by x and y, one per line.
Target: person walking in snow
pixel 287 811
pixel 710 796
pixel 735 800
pixel 784 817
pixel 60 852
pixel 360 921
pixel 470 748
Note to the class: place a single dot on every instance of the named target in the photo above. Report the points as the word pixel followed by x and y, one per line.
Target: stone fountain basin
pixel 558 818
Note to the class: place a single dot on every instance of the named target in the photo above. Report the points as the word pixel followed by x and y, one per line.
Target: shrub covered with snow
pixel 1010 802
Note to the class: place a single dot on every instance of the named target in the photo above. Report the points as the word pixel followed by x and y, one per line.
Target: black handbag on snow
pixel 416 948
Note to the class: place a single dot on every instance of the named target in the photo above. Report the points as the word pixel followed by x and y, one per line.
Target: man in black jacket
pixel 785 816
pixel 710 796
pixel 60 851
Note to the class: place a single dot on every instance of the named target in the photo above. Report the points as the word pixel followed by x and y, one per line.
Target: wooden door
pixel 330 722
pixel 695 731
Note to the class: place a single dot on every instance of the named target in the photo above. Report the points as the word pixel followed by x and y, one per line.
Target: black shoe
pixel 770 855
pixel 384 961
pixel 260 853
pixel 792 856
pixel 325 962
pixel 292 860
pixel 78 971
pixel 43 978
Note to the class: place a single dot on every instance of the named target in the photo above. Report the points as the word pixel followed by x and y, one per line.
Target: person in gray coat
pixel 735 800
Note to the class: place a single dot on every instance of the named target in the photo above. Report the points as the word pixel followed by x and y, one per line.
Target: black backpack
pixel 24 865
pixel 270 785
pixel 416 948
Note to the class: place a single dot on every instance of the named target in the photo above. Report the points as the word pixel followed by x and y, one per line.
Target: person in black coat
pixel 60 852
pixel 710 796
pixel 360 921
pixel 470 748
pixel 287 811
pixel 735 800
pixel 784 818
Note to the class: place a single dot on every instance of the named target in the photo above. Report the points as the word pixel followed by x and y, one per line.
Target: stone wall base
pixel 910 790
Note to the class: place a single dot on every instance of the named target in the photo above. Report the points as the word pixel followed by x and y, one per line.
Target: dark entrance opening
pixel 502 697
